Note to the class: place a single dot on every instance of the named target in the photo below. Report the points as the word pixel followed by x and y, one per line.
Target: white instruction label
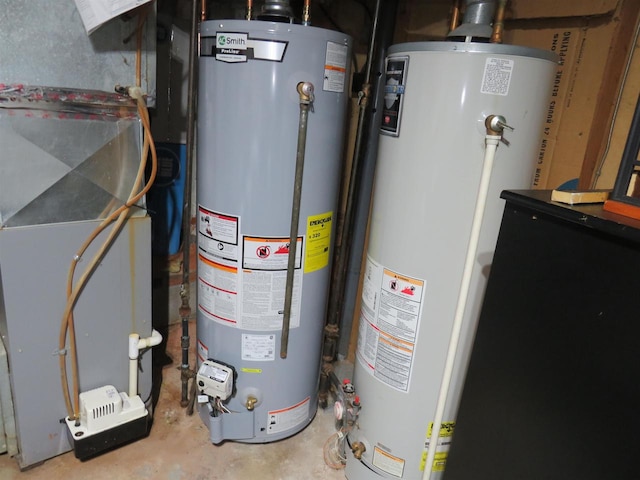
pixel 258 347
pixel 497 76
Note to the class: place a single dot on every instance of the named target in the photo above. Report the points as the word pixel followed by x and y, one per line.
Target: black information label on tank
pixel 396 75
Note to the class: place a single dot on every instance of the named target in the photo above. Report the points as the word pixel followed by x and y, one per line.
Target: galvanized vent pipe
pixel 276 11
pixel 476 20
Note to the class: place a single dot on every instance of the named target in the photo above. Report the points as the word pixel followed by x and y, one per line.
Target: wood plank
pixel 621 208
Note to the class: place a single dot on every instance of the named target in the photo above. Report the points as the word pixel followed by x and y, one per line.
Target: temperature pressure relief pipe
pixel 135 345
pixel 305 90
pixel 494 124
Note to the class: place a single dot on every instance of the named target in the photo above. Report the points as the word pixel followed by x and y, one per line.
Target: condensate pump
pixel 108 418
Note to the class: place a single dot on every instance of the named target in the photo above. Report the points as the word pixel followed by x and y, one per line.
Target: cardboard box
pixel 580 32
pixel 582 45
pixel 526 9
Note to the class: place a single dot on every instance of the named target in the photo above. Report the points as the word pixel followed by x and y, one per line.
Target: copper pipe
pixel 203 10
pixel 142 17
pixel 249 9
pixel 306 13
pixel 498 23
pixel 455 15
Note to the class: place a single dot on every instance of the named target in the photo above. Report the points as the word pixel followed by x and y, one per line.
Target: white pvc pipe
pixel 151 341
pixel 491 145
pixel 135 345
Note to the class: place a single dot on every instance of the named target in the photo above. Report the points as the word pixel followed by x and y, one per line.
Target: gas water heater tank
pixel 248 130
pixel 430 161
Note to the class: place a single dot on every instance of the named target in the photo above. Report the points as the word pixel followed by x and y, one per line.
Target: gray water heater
pixel 249 131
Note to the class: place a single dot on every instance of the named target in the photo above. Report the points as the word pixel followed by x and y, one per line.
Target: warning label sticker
pixel 264 278
pixel 218 277
pixel 269 253
pixel 281 420
pixel 389 316
pixel 335 67
pixel 203 351
pixel 242 283
pixel 217 290
pixel 218 234
pixel 388 463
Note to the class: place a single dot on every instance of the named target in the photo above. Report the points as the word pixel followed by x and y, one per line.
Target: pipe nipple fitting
pixel 358 449
pixel 305 90
pixel 251 402
pixel 496 124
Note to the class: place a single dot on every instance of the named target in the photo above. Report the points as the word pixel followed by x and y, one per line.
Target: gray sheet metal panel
pixel 115 302
pixel 45 43
pixel 8 440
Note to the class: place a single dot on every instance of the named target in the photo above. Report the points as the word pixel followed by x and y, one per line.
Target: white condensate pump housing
pixel 440 98
pixel 271 120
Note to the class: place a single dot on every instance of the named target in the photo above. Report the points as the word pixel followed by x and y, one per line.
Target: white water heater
pixel 249 140
pixel 431 151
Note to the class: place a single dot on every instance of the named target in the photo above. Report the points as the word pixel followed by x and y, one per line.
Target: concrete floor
pixel 178 446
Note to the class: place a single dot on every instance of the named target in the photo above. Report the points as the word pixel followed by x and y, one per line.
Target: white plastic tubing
pixel 135 345
pixel 491 145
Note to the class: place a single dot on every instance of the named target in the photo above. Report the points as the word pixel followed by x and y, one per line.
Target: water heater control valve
pixel 215 379
pixel 347 406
